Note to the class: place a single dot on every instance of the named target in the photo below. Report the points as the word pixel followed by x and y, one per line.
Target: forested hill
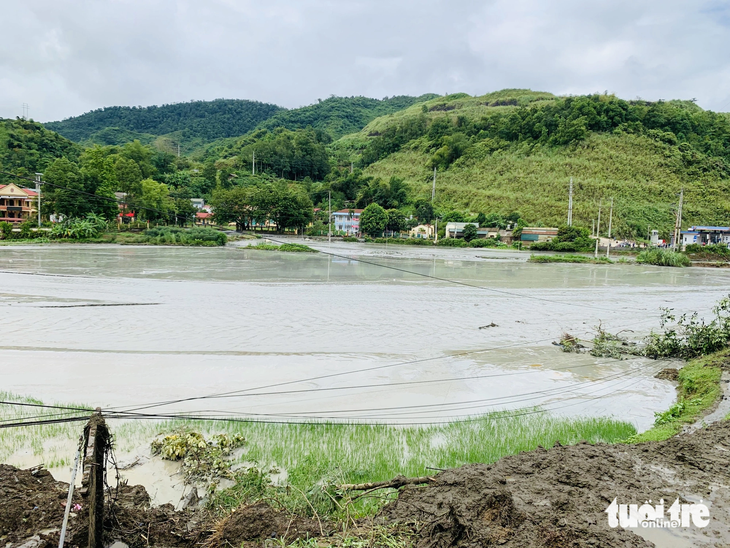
pixel 516 150
pixel 338 116
pixel 27 148
pixel 198 123
pixel 199 120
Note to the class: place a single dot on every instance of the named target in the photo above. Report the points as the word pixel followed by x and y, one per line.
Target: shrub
pixel 76 229
pixel 486 242
pixel 170 235
pixel 663 257
pixel 6 229
pixel 712 249
pixel 453 242
pixel 349 239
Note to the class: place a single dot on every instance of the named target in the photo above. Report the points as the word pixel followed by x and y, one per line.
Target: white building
pixel 347 221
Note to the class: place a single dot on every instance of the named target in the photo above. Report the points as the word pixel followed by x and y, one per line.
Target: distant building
pixel 422 231
pixel 203 218
pixel 347 221
pixel 198 203
pixel 456 230
pixel 16 204
pixel 706 235
pixel 538 234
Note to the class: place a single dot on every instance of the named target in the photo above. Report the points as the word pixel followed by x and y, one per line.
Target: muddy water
pixel 194 322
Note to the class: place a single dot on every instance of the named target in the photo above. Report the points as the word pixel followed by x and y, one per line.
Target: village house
pixel 706 235
pixel 347 221
pixel 17 204
pixel 456 230
pixel 538 234
pixel 422 231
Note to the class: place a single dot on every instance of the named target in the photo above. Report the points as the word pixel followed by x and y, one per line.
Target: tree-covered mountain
pixel 506 155
pixel 516 150
pixel 206 120
pixel 198 123
pixel 26 148
pixel 338 116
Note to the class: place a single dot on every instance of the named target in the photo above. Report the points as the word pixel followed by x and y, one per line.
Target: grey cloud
pixel 65 57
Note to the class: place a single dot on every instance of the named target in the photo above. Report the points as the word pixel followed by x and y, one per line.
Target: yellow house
pixel 17 204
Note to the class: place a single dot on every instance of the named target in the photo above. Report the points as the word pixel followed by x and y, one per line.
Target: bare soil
pixel 544 498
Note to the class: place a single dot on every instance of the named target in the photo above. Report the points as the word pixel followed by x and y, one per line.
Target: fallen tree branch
pixel 395 483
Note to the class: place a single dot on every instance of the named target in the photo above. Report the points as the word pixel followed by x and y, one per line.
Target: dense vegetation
pixel 338 116
pixel 27 148
pixel 502 159
pixel 209 120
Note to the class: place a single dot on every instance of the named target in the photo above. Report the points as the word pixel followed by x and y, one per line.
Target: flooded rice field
pixel 282 336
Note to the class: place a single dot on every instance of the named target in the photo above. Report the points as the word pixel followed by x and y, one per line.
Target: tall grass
pixel 663 257
pixel 568 259
pixel 318 454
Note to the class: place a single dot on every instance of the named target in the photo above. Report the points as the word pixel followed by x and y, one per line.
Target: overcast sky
pixel 66 57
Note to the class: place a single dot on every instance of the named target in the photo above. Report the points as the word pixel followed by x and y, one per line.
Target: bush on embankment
pixel 663 257
pixel 170 235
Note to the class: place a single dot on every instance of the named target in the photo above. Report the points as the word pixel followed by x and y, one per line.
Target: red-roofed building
pixel 203 218
pixel 17 204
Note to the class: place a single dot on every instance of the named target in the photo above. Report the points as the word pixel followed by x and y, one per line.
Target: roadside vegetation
pixel 663 257
pixel 287 248
pixel 697 392
pixel 569 259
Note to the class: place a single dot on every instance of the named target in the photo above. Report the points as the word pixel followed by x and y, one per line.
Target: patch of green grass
pixel 699 389
pixel 663 257
pixel 288 248
pixel 568 259
pixel 317 455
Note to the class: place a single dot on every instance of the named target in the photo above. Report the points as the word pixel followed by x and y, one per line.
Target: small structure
pixel 198 203
pixel 17 204
pixel 203 218
pixel 706 235
pixel 422 231
pixel 347 221
pixel 456 230
pixel 538 234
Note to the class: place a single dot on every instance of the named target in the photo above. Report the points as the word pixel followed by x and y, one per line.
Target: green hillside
pixel 206 120
pixel 26 148
pixel 338 116
pixel 516 150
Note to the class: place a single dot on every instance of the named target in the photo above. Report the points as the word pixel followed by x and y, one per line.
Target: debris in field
pixel 489 325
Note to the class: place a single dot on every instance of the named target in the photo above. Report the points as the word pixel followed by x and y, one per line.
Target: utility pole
pixel 253 163
pixel 351 167
pixel 25 111
pixel 610 219
pixel 593 227
pixel 570 203
pixel 433 189
pixel 38 191
pixel 178 149
pixel 598 224
pixel 329 217
pixel 678 222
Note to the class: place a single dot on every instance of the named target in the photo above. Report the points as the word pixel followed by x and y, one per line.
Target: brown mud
pixel 549 498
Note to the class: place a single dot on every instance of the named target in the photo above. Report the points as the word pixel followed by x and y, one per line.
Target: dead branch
pixel 395 483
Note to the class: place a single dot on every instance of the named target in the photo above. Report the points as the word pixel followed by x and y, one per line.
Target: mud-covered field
pixel 553 497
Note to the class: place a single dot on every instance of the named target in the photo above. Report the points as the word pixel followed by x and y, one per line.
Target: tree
pixel 470 232
pixel 234 206
pixel 129 180
pixel 184 211
pixel 373 220
pixel 396 221
pixel 424 211
pixel 155 202
pixel 65 192
pixel 291 209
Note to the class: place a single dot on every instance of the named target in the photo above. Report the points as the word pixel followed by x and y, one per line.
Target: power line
pixel 465 284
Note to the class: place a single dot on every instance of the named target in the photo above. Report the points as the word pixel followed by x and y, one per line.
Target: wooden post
pixel 92 483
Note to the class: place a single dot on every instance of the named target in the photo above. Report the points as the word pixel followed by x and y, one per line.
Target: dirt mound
pixel 258 522
pixel 558 497
pixel 31 503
